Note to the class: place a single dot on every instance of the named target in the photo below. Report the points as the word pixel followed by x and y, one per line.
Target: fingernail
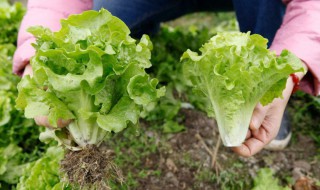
pixel 253 125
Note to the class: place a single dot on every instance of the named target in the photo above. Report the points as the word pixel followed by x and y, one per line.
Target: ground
pixel 180 161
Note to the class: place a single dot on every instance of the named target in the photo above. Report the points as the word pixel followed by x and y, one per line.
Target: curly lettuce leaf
pixel 19 137
pixel 8 84
pixel 235 71
pixel 44 173
pixel 11 167
pixel 14 127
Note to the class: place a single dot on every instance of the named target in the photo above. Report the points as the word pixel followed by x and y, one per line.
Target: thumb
pixel 259 113
pixel 22 56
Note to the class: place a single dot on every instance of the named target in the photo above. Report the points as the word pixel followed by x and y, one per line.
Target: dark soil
pixel 90 167
pixel 186 164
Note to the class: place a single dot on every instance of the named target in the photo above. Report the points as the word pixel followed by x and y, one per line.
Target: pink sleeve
pixel 300 34
pixel 47 14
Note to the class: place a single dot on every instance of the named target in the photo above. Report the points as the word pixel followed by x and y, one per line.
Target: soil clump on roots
pixel 91 168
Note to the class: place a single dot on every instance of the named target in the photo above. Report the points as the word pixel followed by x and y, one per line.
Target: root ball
pixel 91 167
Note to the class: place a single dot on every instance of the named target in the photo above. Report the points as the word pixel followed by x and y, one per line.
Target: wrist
pixel 296 82
pixel 295 78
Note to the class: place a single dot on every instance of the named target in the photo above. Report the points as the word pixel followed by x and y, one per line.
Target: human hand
pixel 43 121
pixel 265 123
pixel 22 57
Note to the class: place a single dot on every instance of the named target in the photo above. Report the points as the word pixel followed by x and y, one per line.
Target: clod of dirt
pixel 302 164
pixel 91 167
pixel 171 165
pixel 305 183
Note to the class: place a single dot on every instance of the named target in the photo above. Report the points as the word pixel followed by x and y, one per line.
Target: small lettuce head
pixel 235 71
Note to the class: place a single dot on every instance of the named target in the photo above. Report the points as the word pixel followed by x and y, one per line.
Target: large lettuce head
pixel 235 71
pixel 91 72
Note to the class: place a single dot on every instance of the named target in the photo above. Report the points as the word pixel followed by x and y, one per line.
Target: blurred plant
pixel 10 18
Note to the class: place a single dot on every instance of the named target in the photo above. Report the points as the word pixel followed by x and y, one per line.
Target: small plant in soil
pixel 91 73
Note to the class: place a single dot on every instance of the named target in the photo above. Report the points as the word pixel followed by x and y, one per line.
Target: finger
pixel 259 113
pixel 249 147
pixel 43 121
pixel 63 123
pixel 268 131
pixel 252 145
pixel 27 71
pixel 248 134
pixel 22 56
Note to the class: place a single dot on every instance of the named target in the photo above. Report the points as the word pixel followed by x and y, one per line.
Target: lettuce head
pixel 90 72
pixel 235 71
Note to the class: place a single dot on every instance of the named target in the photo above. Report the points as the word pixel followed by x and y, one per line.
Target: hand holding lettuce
pixel 235 72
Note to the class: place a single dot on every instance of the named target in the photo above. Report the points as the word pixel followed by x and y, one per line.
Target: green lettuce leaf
pixel 10 164
pixel 265 180
pixel 8 84
pixel 235 71
pixel 19 136
pixel 44 173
